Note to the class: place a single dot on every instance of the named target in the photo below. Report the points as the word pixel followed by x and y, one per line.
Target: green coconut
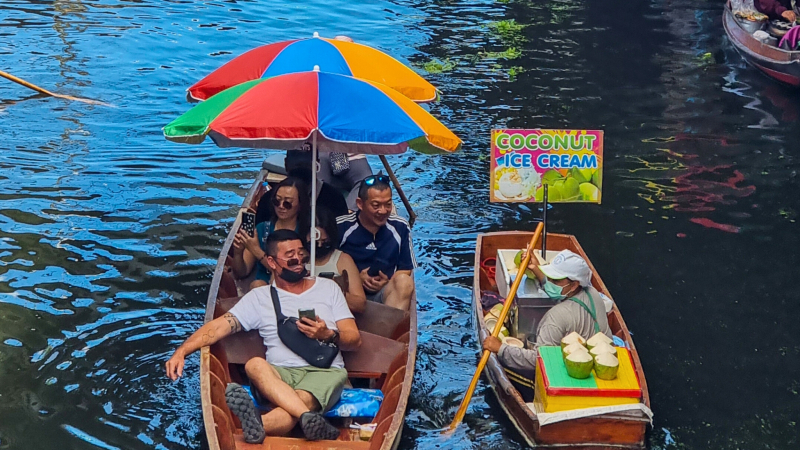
pixel 597 178
pixel 598 338
pixel 571 188
pixel 572 338
pixel 601 348
pixel 518 261
pixel 579 364
pixel 589 192
pixel 606 366
pixel 572 348
pixel 551 176
pixel 496 310
pixel 582 175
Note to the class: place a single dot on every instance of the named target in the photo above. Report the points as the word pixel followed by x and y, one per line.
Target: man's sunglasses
pixel 286 203
pixel 372 179
pixel 295 261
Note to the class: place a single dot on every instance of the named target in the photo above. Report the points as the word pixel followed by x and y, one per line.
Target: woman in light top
pixel 334 263
pixel 285 207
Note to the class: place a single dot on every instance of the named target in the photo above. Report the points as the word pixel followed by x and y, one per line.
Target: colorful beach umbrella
pixel 336 112
pixel 331 55
pixel 347 115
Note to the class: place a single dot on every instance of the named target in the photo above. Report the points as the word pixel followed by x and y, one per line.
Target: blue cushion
pixel 357 403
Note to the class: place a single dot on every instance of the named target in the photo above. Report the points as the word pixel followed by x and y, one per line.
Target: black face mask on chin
pixel 291 276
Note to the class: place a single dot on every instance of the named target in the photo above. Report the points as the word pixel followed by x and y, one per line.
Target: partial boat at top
pixel 782 65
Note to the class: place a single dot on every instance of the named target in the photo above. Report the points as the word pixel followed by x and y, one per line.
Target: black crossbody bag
pixel 315 352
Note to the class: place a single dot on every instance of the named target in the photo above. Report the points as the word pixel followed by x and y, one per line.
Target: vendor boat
pixel 385 361
pixel 624 428
pixel 779 64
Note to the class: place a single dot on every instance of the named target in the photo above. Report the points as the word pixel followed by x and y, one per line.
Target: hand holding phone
pixel 249 223
pixel 310 314
pixel 373 270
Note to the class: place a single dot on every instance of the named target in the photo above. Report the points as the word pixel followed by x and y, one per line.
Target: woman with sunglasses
pixel 334 263
pixel 284 208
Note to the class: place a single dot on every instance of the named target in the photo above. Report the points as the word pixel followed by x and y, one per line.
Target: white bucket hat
pixel 567 264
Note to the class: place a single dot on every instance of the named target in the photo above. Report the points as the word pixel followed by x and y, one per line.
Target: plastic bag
pixel 357 403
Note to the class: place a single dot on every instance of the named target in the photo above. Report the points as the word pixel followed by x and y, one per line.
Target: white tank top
pixel 329 266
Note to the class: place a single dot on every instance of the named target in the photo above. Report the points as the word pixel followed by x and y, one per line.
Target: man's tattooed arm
pixel 233 322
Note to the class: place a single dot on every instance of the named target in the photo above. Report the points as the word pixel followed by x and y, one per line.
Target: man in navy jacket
pixel 380 244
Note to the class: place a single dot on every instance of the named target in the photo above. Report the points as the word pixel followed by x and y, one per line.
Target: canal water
pixel 109 234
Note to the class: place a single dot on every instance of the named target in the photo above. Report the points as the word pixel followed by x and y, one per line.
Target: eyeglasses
pixel 372 179
pixel 286 203
pixel 291 262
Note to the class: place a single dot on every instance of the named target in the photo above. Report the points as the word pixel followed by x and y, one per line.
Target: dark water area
pixel 109 234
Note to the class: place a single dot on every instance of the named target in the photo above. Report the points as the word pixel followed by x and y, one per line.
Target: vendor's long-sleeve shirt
pixel 562 319
pixel 773 8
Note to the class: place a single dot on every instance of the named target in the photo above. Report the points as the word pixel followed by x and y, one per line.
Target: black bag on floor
pixel 317 353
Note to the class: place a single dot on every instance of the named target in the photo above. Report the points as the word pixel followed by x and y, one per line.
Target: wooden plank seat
pixel 381 320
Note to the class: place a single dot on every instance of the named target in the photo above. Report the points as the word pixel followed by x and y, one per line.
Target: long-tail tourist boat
pixel 782 65
pixel 623 427
pixel 384 361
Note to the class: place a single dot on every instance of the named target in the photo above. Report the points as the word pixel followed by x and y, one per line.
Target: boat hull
pixel 608 431
pixel 386 358
pixel 776 63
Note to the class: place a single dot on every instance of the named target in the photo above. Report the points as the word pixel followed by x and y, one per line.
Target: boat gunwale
pixel 498 378
pixel 742 39
pixel 391 437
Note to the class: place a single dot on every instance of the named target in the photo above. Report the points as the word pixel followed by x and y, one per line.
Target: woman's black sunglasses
pixel 372 179
pixel 286 203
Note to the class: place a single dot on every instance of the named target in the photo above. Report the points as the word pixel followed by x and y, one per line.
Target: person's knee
pixel 403 283
pixel 257 365
pixel 309 400
pixel 257 284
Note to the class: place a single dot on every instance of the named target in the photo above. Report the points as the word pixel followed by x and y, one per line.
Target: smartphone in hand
pixel 308 313
pixel 249 223
pixel 377 266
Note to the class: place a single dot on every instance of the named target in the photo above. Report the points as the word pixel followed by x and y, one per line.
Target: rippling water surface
pixel 109 234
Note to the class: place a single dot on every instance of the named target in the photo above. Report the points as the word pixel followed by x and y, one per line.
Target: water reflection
pixel 109 234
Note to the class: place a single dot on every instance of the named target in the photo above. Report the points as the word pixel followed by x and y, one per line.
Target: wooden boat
pixel 779 64
pixel 608 431
pixel 385 360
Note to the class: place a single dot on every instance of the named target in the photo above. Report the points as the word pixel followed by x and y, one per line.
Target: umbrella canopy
pixel 282 112
pixel 337 112
pixel 331 55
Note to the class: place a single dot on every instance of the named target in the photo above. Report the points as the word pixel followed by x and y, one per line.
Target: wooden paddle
pixel 46 92
pixel 506 307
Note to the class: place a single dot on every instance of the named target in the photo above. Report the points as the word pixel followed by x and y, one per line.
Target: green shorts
pixel 324 384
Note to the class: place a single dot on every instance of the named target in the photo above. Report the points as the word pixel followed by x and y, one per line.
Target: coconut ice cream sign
pixel 569 162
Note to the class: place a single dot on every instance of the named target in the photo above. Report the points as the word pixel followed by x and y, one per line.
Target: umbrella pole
pixel 411 215
pixel 313 229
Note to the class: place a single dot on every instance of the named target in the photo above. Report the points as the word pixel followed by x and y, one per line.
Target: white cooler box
pixel 531 301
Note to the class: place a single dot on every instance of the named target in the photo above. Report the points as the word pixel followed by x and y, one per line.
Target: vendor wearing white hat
pixel 567 279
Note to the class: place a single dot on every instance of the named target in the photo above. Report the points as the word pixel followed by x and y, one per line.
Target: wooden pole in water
pixel 412 216
pixel 462 410
pixel 36 88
